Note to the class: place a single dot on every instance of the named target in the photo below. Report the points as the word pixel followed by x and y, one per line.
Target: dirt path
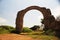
pixel 14 37
pixel 19 37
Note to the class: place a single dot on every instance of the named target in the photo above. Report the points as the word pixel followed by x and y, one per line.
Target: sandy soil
pixel 14 37
pixel 18 37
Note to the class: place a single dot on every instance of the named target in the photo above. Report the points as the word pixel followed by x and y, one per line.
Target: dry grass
pixel 44 37
pixel 40 36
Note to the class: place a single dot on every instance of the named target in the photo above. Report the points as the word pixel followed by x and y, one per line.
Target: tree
pixel 35 27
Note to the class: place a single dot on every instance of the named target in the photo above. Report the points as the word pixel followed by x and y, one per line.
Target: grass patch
pixel 41 36
pixel 44 37
pixel 6 29
pixel 3 31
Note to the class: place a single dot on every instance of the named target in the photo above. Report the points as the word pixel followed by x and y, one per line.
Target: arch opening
pixel 32 17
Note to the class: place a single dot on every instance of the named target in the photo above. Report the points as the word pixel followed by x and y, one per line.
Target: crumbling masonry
pixel 49 20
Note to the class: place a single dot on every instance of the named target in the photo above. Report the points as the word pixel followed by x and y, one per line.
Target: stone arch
pixel 20 15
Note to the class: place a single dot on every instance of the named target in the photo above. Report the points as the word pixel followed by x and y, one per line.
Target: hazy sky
pixel 9 9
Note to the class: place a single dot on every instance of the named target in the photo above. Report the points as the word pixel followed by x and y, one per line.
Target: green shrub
pixel 2 31
pixel 26 30
pixel 49 32
pixel 6 29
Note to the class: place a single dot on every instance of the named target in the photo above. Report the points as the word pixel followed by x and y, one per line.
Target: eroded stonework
pixel 49 20
pixel 19 20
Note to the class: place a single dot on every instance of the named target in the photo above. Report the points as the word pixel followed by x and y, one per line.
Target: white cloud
pixel 3 20
pixel 56 11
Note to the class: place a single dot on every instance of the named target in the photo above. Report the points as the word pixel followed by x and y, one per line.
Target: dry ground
pixel 14 37
pixel 20 37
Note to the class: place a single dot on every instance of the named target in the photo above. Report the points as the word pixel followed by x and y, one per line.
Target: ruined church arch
pixel 19 20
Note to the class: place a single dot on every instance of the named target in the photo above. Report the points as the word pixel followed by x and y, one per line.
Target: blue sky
pixel 9 9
